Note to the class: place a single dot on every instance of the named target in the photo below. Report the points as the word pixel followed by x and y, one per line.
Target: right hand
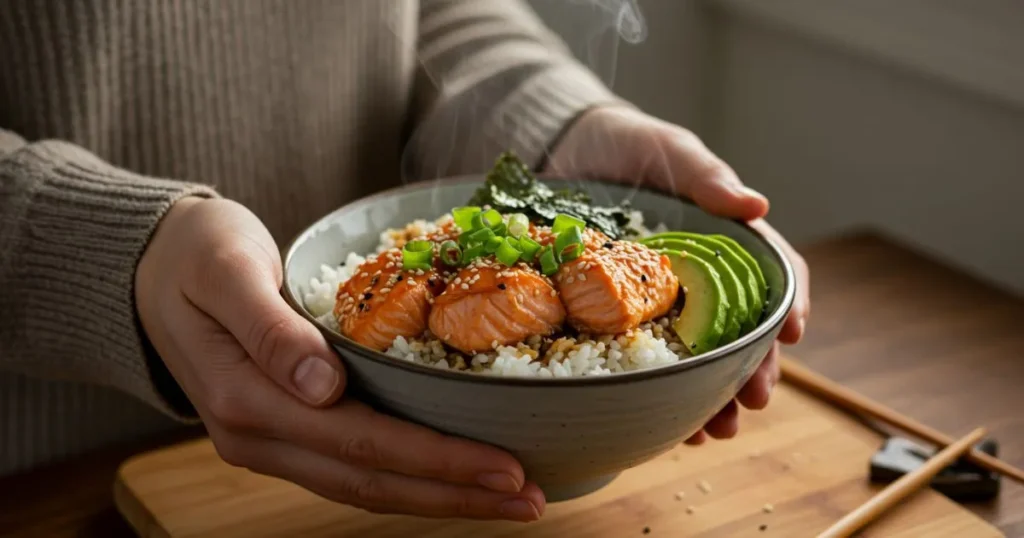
pixel 267 385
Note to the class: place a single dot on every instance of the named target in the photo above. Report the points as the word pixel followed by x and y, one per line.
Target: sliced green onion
pixel 564 222
pixel 417 255
pixel 500 229
pixel 492 218
pixel 514 242
pixel 548 263
pixel 464 216
pixel 473 253
pixel 477 236
pixel 518 225
pixel 486 219
pixel 507 253
pixel 492 244
pixel 529 247
pixel 569 244
pixel 451 254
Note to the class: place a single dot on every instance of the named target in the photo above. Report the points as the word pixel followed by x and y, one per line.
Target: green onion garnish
pixel 477 236
pixel 514 242
pixel 507 253
pixel 492 244
pixel 500 229
pixel 548 263
pixel 473 253
pixel 569 244
pixel 529 247
pixel 417 255
pixel 486 219
pixel 464 216
pixel 451 254
pixel 564 222
pixel 518 225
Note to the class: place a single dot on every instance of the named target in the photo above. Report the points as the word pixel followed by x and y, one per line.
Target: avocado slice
pixel 751 313
pixel 734 292
pixel 755 303
pixel 701 324
pixel 755 268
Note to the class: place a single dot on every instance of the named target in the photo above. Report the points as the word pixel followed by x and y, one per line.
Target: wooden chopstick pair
pixel 841 396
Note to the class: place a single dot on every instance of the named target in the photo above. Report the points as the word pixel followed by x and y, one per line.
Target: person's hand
pixel 623 144
pixel 267 385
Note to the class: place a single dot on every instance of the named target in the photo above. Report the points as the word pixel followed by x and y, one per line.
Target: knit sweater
pixel 111 110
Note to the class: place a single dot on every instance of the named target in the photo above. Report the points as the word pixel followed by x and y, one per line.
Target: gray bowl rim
pixel 335 338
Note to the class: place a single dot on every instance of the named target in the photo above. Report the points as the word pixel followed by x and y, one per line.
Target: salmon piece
pixel 614 286
pixel 381 301
pixel 489 304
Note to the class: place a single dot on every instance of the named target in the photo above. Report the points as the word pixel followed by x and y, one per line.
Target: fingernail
pixel 801 325
pixel 747 191
pixel 315 379
pixel 502 482
pixel 519 510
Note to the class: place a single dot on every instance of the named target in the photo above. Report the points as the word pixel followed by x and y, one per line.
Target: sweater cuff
pixel 75 230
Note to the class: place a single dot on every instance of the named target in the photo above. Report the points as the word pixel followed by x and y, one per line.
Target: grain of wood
pixel 188 492
pixel 902 488
pixel 840 396
pixel 900 329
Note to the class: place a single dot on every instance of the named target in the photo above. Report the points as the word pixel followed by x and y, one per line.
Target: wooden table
pixel 924 339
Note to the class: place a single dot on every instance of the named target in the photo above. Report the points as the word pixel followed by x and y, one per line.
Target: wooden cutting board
pixel 807 460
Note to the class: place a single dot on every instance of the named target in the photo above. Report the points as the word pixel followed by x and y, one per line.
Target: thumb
pixel 243 295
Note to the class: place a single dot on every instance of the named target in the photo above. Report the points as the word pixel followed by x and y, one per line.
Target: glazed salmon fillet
pixel 614 286
pixel 489 304
pixel 382 302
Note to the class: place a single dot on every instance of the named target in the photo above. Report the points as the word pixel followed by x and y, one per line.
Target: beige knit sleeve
pixel 72 229
pixel 492 77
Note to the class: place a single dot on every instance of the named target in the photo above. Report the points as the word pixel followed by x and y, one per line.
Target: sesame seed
pixel 680 495
pixel 768 508
pixel 465 286
pixel 704 486
pixel 690 509
pixel 554 293
pixel 458 280
pixel 385 290
pixel 570 280
pixel 583 278
pixel 494 344
pixel 448 336
pixel 501 286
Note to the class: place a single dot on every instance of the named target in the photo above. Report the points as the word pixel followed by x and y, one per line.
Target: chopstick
pixel 900 489
pixel 805 378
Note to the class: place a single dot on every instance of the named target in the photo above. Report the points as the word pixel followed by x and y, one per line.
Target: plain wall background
pixel 840 136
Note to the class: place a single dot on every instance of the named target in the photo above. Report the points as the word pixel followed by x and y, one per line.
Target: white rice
pixel 650 345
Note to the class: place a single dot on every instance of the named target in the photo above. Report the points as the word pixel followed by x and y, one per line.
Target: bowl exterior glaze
pixel 571 435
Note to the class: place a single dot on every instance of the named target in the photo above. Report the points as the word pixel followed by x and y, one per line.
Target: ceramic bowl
pixel 572 435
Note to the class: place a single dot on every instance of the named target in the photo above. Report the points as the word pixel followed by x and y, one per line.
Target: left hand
pixel 623 144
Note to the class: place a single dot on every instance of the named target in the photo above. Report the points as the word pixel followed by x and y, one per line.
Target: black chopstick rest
pixel 963 481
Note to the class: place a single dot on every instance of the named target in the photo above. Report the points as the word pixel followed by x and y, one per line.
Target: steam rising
pixel 461 51
pixel 629 22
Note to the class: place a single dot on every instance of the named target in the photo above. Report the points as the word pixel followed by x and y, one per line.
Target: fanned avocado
pixel 747 281
pixel 734 291
pixel 701 324
pixel 755 268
